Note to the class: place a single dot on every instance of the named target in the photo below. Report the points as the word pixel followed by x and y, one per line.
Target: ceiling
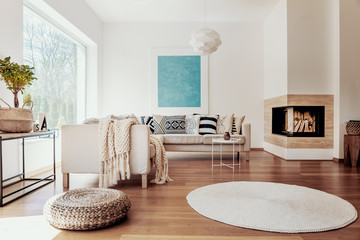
pixel 181 10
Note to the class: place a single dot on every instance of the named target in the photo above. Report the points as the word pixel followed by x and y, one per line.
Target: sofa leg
pixel 65 180
pixel 247 157
pixel 144 181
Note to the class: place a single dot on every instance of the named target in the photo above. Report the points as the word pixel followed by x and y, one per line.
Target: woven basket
pixel 16 120
pixel 353 128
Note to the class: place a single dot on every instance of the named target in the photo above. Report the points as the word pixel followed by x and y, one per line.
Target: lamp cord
pixel 205 13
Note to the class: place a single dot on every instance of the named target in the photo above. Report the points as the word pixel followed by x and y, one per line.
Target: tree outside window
pixel 59 63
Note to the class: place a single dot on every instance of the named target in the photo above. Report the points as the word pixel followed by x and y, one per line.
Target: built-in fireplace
pixel 299 121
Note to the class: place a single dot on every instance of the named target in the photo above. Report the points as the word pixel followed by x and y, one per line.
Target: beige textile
pixel 273 207
pixel 87 208
pixel 114 151
pixel 114 137
pixel 224 124
pixel 183 138
pixel 161 162
pixel 238 123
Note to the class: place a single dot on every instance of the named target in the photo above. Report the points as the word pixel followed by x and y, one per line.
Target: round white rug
pixel 273 207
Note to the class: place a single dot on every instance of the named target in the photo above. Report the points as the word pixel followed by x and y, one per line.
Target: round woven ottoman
pixel 86 208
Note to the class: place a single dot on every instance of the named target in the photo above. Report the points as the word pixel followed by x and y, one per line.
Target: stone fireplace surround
pixel 297 148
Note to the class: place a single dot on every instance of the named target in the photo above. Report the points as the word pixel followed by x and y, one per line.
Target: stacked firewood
pixel 304 122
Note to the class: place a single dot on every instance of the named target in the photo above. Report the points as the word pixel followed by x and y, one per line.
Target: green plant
pixel 27 99
pixel 16 77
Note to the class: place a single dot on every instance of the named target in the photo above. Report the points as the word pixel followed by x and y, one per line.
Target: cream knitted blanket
pixel 160 162
pixel 114 141
pixel 114 151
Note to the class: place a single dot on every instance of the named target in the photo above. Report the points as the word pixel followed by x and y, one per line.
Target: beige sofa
pixel 80 151
pixel 203 143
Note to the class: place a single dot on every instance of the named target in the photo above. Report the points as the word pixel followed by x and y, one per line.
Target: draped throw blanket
pixel 160 162
pixel 114 151
pixel 114 141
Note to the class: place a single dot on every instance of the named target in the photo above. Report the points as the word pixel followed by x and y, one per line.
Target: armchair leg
pixel 247 156
pixel 65 180
pixel 238 155
pixel 144 181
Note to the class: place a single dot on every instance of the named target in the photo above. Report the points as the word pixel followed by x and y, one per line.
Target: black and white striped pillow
pixel 236 126
pixel 207 124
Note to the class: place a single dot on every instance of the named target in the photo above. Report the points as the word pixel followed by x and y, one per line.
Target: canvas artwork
pixel 179 82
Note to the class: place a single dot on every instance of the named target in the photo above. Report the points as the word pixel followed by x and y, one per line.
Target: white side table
pixel 221 141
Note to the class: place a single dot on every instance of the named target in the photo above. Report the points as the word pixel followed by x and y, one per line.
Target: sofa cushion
pixel 159 124
pixel 175 124
pixel 160 137
pixel 192 124
pixel 237 123
pixel 207 139
pixel 148 120
pixel 207 124
pixel 224 124
pixel 182 139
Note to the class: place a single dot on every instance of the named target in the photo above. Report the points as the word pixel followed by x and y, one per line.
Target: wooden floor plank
pixel 162 212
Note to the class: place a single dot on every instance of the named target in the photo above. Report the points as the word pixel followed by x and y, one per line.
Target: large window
pixel 60 66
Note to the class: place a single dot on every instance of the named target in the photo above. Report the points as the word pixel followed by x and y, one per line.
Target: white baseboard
pixel 299 153
pixel 41 170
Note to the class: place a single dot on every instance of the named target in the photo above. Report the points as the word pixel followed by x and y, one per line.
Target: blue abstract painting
pixel 179 81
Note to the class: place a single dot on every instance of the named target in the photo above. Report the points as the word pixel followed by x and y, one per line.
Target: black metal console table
pixel 21 176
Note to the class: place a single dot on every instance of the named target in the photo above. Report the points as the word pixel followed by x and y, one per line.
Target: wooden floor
pixel 162 212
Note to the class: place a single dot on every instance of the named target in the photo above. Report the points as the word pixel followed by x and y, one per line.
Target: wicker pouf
pixel 87 208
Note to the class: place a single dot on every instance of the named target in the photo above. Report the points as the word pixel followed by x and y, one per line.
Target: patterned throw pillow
pixel 237 123
pixel 175 124
pixel 207 124
pixel 148 120
pixel 159 124
pixel 192 124
pixel 224 124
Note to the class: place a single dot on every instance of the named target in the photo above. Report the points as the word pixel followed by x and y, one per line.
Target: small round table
pixel 222 141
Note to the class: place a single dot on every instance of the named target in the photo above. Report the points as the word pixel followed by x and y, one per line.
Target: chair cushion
pixel 182 139
pixel 207 139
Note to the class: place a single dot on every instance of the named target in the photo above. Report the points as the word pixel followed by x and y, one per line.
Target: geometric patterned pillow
pixel 175 124
pixel 237 123
pixel 224 124
pixel 192 124
pixel 148 120
pixel 159 124
pixel 207 124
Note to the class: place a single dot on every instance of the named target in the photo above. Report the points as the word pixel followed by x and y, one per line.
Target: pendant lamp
pixel 205 40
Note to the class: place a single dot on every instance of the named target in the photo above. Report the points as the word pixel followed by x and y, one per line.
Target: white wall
pixel 336 71
pixel 11 39
pixel 349 66
pixel 310 48
pixel 275 52
pixel 235 70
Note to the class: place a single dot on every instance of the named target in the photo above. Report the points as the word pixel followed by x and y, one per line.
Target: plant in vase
pixel 16 77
